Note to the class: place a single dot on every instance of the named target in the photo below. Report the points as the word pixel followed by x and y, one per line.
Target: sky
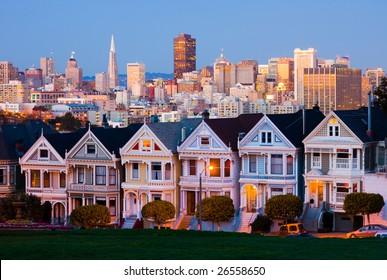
pixel 144 31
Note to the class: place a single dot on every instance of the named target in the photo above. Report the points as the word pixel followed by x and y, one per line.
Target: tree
pixel 68 122
pixel 159 211
pixel 381 95
pixel 32 207
pixel 90 216
pixel 285 207
pixel 217 209
pixel 363 203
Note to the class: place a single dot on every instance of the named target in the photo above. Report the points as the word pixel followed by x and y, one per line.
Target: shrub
pixel 261 224
pixel 90 216
pixel 285 207
pixel 32 210
pixel 159 211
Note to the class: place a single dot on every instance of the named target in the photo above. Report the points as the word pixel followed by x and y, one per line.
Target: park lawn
pixel 153 244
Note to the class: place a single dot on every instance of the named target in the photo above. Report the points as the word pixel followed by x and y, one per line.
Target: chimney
pixel 369 128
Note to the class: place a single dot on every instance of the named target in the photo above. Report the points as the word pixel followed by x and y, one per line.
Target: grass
pixel 110 244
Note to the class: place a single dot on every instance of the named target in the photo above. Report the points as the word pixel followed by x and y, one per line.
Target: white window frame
pixel 135 175
pixel 265 136
pixel 88 152
pixel 40 154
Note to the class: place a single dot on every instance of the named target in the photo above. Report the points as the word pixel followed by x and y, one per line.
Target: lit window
pixel 146 145
pixel 46 179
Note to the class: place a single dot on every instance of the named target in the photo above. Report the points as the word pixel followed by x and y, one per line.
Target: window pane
pixel 112 176
pixel 35 178
pixel 227 166
pixel 252 164
pixel 168 171
pixel 215 163
pixel 156 171
pixel 135 173
pixel 289 165
pixel 46 177
pixel 3 177
pixel 100 175
pixel 192 167
pixel 276 164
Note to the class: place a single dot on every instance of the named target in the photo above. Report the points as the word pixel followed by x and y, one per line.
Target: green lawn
pixel 110 244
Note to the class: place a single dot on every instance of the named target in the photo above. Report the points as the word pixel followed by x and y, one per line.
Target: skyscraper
pixel 222 74
pixel 136 78
pixel 101 82
pixel 7 72
pixel 184 55
pixel 73 72
pixel 112 67
pixel 47 64
pixel 302 59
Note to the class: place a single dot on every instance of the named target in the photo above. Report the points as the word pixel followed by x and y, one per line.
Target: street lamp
pixel 200 195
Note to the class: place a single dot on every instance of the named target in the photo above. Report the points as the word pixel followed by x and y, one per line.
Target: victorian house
pixel 152 168
pixel 212 144
pixel 94 171
pixel 339 153
pixel 272 159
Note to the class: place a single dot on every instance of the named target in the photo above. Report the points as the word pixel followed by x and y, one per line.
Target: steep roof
pixel 23 134
pixel 228 129
pixel 291 125
pixel 357 121
pixel 63 142
pixel 170 133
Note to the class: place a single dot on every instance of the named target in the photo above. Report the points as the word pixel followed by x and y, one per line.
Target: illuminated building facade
pixel 302 59
pixel 184 55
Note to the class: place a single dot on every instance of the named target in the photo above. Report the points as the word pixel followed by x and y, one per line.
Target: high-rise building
pixel 34 77
pixel 14 92
pixel 272 65
pixel 222 74
pixel 112 67
pixel 184 55
pixel 302 59
pixel 136 78
pixel 245 72
pixel 7 72
pixel 285 74
pixel 333 88
pixel 73 72
pixel 47 64
pixel 375 76
pixel 101 82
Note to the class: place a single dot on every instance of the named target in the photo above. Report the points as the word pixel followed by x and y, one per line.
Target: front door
pixel 190 203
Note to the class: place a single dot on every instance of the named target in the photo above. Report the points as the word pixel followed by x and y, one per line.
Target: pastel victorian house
pixel 152 167
pixel 339 152
pixel 94 169
pixel 213 143
pixel 15 140
pixel 44 166
pixel 272 159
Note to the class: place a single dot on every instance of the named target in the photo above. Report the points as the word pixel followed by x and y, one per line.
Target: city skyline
pixel 144 32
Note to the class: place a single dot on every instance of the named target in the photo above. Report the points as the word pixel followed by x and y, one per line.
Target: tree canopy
pixel 285 207
pixel 380 94
pixel 159 211
pixel 363 203
pixel 217 209
pixel 90 216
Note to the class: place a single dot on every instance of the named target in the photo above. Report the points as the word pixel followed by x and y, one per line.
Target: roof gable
pixel 35 154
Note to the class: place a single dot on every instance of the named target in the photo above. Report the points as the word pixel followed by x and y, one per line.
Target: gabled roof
pixel 228 129
pixel 26 134
pixel 63 142
pixel 357 122
pixel 170 133
pixel 291 125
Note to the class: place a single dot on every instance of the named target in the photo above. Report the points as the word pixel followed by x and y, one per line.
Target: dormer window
pixel 43 154
pixel 333 128
pixel 266 137
pixel 146 145
pixel 205 141
pixel 90 149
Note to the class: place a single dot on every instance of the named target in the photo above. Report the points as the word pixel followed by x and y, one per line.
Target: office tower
pixel 245 72
pixel 73 72
pixel 302 59
pixel 34 77
pixel 136 78
pixel 222 74
pixel 285 75
pixel 272 67
pixel 101 82
pixel 184 55
pixel 7 72
pixel 375 76
pixel 343 62
pixel 333 88
pixel 47 64
pixel 112 67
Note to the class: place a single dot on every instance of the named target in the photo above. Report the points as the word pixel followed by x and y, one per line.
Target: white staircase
pixel 310 219
pixel 129 222
pixel 245 220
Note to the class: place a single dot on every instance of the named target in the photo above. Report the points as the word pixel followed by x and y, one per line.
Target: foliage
pixel 217 209
pixel 68 122
pixel 363 203
pixel 159 211
pixel 33 210
pixel 327 219
pixel 261 223
pixel 90 216
pixel 381 95
pixel 285 207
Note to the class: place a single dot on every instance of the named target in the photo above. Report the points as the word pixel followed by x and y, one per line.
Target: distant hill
pixel 148 76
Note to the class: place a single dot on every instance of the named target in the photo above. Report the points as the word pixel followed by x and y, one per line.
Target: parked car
pixel 293 229
pixel 366 231
pixel 381 233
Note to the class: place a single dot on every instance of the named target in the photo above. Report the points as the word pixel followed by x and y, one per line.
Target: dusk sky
pixel 144 31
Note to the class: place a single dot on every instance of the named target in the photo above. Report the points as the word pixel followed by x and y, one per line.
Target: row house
pixel 272 158
pixel 152 167
pixel 76 169
pixel 213 143
pixel 339 152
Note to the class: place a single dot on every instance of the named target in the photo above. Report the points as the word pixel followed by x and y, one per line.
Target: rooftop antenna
pixel 72 54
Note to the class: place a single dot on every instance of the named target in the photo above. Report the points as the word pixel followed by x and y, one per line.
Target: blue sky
pixel 144 31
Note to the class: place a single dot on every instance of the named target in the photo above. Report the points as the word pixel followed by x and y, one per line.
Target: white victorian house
pixel 339 152
pixel 213 143
pixel 152 168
